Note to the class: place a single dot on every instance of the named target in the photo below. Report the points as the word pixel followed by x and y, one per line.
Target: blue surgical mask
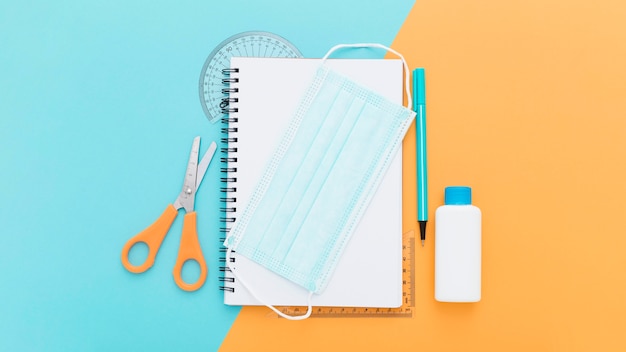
pixel 320 180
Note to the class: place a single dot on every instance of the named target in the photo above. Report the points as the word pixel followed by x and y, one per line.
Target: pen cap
pixel 458 195
pixel 419 86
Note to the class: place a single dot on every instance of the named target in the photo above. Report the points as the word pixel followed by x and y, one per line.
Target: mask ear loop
pixel 290 317
pixel 380 46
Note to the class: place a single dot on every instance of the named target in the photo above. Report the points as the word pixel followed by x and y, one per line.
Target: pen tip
pixel 422 225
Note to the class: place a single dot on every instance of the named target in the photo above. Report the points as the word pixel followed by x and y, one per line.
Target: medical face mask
pixel 320 180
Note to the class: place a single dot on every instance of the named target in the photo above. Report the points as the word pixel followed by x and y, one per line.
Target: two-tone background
pixel 99 104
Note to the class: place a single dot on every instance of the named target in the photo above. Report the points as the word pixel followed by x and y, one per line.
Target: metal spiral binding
pixel 228 160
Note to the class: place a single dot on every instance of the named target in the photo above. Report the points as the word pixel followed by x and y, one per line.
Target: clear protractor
pixel 213 89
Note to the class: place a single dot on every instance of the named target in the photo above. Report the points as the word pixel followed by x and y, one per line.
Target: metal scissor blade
pixel 204 163
pixel 187 195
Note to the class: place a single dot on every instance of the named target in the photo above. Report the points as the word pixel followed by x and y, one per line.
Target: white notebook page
pixel 369 273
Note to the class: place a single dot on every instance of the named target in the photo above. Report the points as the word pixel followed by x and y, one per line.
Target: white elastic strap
pixel 290 317
pixel 376 45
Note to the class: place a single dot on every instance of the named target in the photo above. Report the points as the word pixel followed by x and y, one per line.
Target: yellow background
pixel 527 105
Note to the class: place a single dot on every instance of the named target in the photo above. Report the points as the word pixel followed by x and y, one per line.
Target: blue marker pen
pixel 419 105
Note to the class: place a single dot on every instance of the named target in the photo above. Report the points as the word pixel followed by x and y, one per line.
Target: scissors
pixel 154 234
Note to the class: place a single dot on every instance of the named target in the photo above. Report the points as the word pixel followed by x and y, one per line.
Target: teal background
pixel 98 107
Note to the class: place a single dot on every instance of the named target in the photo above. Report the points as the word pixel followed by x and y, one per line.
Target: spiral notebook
pixel 264 93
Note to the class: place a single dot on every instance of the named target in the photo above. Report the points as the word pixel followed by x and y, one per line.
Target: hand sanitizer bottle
pixel 457 248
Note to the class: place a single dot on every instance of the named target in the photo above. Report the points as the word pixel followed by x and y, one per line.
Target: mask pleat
pixel 347 183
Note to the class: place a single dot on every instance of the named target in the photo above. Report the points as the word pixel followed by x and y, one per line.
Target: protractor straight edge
pixel 408 297
pixel 214 82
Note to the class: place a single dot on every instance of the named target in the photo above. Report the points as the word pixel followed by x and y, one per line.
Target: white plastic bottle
pixel 458 248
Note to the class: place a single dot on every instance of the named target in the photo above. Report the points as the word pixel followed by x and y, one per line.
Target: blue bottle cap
pixel 458 195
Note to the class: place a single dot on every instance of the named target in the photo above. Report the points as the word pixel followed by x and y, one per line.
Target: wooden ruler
pixel 408 299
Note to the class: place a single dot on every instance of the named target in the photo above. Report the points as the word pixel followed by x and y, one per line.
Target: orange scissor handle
pixel 189 250
pixel 152 236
